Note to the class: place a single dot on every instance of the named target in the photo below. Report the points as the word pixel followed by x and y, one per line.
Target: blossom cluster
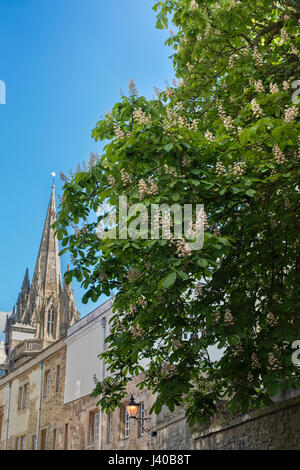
pixel 217 316
pixel 271 319
pixel 132 88
pixel 144 189
pixel 209 136
pixel 136 331
pixel 125 177
pixel 250 379
pixel 228 318
pixel 133 275
pixel 194 5
pixel 183 248
pixel 173 119
pixel 195 227
pixel 291 114
pixel 132 309
pixel 227 120
pixel 274 88
pixel 94 158
pixel 198 289
pixel 141 117
pixel 169 170
pixel 256 109
pixel 273 360
pixel 257 57
pixel 259 87
pixel 284 35
pixel 79 232
pixel 186 161
pixel 118 132
pixel 63 177
pixel 285 85
pixel 169 92
pixel 294 50
pixel 156 90
pixel 254 361
pixel 239 169
pixel 168 370
pixel 220 168
pixel 111 180
pixel 142 301
pixel 233 4
pixel 278 155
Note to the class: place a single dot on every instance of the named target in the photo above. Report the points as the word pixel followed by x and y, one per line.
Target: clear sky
pixel 63 63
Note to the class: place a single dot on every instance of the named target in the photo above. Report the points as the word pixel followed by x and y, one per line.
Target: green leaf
pixel 168 147
pixel 202 262
pixel 169 280
pixel 183 275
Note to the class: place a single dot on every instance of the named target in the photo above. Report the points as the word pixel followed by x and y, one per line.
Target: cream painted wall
pixel 18 420
pixel 82 362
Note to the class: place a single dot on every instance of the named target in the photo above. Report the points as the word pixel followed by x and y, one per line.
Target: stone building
pixel 51 369
pixel 44 309
pixel 50 364
pixel 89 427
pixel 45 400
pixel 45 403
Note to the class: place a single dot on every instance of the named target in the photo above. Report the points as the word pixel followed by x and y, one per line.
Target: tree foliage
pixel 225 135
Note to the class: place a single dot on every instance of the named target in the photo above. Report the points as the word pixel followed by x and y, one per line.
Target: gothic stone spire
pixel 23 298
pixel 46 308
pixel 48 303
pixel 47 273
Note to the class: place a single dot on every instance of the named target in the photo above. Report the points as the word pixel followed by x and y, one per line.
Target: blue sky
pixel 63 63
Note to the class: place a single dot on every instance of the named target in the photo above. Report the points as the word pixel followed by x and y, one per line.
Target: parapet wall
pixel 271 428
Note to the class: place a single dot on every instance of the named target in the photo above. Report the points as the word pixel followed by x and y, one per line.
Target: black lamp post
pixel 132 410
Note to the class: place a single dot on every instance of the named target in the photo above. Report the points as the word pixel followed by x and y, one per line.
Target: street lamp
pixel 132 410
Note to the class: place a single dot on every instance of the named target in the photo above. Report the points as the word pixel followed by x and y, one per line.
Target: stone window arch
pixel 50 321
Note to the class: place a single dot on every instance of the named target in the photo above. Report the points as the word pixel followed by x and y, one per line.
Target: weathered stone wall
pixel 272 428
pixel 52 409
pixel 3 411
pixel 275 427
pixel 135 441
pixel 174 435
pixel 77 414
pixel 24 421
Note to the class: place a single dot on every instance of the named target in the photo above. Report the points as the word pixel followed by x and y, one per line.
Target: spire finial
pixel 53 174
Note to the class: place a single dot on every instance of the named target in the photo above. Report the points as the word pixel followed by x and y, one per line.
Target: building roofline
pixel 103 308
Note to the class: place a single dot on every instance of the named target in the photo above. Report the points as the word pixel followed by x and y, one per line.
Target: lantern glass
pixel 132 408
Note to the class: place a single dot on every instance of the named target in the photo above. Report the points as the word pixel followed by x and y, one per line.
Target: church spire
pixel 26 283
pixel 47 307
pixel 47 273
pixel 23 297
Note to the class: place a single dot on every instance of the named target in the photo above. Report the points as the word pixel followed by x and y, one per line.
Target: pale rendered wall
pixel 19 418
pixel 82 362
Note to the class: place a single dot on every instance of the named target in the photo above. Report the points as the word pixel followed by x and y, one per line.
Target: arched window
pixel 50 322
